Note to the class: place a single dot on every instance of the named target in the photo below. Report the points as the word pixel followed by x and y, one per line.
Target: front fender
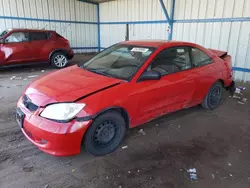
pixel 120 109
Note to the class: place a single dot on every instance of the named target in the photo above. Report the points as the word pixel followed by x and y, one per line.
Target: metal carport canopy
pixel 96 1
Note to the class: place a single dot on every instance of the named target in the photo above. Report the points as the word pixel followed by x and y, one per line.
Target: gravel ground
pixel 216 143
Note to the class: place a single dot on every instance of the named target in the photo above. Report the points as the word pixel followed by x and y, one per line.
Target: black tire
pixel 105 134
pixel 213 97
pixel 59 60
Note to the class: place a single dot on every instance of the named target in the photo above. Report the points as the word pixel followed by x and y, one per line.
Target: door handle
pixel 25 46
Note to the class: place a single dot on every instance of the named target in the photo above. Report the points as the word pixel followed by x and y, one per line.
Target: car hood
pixel 67 85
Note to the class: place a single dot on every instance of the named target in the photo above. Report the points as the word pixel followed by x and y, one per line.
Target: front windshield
pixel 120 61
pixel 3 33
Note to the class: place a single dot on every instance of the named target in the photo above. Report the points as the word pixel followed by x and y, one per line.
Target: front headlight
pixel 62 111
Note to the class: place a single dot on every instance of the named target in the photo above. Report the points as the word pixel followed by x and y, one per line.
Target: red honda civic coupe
pixel 126 85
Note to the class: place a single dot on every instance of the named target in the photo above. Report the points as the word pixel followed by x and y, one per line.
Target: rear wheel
pixel 213 97
pixel 59 60
pixel 105 134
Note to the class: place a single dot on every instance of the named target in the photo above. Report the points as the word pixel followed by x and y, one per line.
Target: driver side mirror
pixel 150 75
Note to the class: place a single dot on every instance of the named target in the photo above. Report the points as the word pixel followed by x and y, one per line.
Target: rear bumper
pixel 231 88
pixel 71 54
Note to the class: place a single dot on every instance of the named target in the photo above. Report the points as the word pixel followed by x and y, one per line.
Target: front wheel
pixel 213 97
pixel 59 60
pixel 105 134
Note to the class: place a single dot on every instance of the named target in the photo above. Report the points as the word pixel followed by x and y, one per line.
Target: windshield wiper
pixel 102 72
pixel 97 71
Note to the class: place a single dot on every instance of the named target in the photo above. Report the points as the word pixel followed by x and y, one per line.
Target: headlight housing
pixel 62 111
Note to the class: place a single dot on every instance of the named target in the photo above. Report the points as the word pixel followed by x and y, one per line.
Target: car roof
pixel 155 43
pixel 26 29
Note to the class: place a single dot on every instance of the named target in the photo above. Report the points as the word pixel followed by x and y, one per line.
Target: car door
pixel 38 41
pixel 173 91
pixel 205 70
pixel 16 49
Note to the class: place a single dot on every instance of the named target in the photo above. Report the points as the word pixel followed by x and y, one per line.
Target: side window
pixel 172 60
pixel 38 36
pixel 200 58
pixel 17 37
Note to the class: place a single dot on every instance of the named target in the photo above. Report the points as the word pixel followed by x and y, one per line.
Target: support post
pixel 169 19
pixel 98 28
pixel 89 1
pixel 165 10
pixel 170 37
pixel 98 22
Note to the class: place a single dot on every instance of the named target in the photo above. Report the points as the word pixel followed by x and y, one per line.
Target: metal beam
pixel 172 10
pixel 45 20
pixel 89 1
pixel 237 19
pixel 136 22
pixel 241 69
pixel 165 11
pixel 98 28
pixel 169 19
pixel 170 36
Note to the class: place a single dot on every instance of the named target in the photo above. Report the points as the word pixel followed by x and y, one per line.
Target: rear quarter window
pixel 200 58
pixel 59 36
pixel 34 36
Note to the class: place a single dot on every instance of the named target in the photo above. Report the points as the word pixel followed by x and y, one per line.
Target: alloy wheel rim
pixel 60 60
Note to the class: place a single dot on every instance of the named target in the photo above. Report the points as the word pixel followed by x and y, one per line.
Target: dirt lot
pixel 216 143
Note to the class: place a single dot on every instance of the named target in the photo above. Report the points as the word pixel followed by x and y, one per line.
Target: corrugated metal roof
pixel 100 1
pixel 233 37
pixel 51 15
